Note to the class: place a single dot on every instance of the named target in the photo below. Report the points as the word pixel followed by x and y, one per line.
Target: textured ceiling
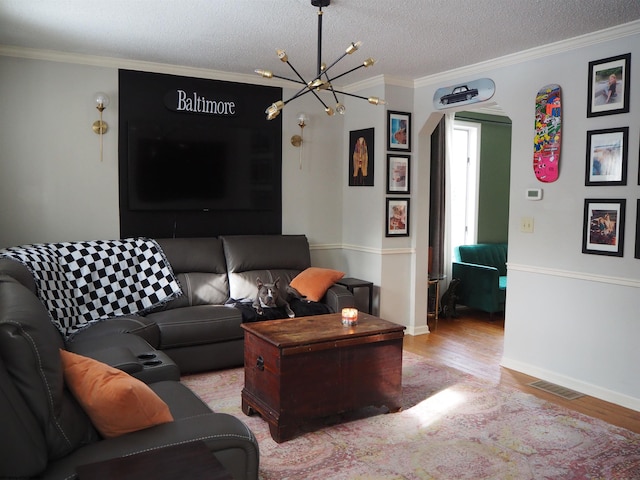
pixel 409 38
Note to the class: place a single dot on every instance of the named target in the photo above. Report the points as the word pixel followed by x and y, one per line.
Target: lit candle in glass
pixel 349 316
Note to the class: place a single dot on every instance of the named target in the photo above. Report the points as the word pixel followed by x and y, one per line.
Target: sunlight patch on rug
pixel 433 408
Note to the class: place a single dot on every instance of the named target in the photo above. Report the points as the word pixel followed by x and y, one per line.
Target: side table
pixel 434 281
pixel 352 283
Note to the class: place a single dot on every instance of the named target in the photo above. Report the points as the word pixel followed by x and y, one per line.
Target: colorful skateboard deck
pixel 548 126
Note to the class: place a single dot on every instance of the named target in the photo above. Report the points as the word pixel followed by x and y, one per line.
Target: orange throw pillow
pixel 314 282
pixel 116 402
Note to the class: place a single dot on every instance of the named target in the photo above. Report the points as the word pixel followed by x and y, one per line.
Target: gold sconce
pixel 297 140
pixel 100 127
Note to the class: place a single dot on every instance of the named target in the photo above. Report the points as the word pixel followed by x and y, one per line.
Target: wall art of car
pixel 459 94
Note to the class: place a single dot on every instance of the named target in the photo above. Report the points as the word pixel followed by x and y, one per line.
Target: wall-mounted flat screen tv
pixel 194 167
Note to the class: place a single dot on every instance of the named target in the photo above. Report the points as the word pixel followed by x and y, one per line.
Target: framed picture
pixel 361 153
pixel 609 85
pixel 398 173
pixel 399 131
pixel 607 152
pixel 637 254
pixel 603 230
pixel 397 219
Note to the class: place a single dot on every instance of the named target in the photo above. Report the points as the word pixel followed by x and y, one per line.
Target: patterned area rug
pixel 452 426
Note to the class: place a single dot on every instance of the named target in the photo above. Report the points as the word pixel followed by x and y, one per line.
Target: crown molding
pixel 609 34
pixel 111 62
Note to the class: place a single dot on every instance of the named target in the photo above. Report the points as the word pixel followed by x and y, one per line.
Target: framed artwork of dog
pixel 361 153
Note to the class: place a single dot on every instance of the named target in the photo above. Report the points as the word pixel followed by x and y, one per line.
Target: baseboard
pixel 572 383
pixel 417 330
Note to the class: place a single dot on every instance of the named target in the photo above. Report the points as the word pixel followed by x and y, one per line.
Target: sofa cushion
pixel 201 268
pixel 198 325
pixel 313 282
pixel 263 256
pixel 116 402
pixel 29 346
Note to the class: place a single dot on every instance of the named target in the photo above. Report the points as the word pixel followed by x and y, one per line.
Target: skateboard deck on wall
pixel 548 136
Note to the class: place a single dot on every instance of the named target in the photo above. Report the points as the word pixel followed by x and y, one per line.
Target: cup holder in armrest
pixel 156 366
pixel 151 363
pixel 147 356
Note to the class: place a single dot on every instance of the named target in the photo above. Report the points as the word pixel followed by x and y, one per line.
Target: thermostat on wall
pixel 534 194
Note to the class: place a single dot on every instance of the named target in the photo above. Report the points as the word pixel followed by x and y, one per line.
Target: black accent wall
pixel 197 157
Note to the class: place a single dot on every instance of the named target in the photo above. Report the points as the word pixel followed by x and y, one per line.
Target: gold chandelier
pixel 322 80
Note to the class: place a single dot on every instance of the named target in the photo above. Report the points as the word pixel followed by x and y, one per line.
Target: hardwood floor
pixel 473 343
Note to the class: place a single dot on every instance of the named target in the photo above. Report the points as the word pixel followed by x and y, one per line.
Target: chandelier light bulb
pixel 353 47
pixel 340 108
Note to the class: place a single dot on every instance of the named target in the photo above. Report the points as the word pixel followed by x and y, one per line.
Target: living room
pixel 57 185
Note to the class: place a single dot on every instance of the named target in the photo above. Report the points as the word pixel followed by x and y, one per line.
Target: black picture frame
pixel 603 227
pixel 361 157
pixel 397 217
pixel 601 100
pixel 398 174
pixel 398 131
pixel 607 155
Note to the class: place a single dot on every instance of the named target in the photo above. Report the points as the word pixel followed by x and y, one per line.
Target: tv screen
pixel 191 167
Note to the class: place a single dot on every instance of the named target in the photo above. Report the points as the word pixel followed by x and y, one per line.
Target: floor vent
pixel 556 389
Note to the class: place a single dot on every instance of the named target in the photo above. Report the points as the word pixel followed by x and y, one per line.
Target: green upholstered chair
pixel 482 270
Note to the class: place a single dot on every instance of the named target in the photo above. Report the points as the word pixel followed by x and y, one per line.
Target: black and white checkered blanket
pixel 84 282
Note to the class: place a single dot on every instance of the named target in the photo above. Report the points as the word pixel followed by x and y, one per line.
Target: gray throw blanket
pixel 84 282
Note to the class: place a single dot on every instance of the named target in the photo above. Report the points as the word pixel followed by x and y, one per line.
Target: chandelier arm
pixel 301 82
pixel 350 94
pixel 348 71
pixel 333 92
pixel 304 91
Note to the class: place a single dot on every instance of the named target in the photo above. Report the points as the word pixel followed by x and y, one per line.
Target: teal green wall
pixel 495 160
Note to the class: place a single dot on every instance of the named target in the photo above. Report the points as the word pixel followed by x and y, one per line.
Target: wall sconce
pixel 100 127
pixel 297 140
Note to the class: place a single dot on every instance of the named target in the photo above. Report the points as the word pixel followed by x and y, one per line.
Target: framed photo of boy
pixel 399 131
pixel 609 85
pixel 398 173
pixel 607 152
pixel 397 219
pixel 603 230
pixel 361 153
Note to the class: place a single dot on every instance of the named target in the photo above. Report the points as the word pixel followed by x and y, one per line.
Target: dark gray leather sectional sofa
pixel 45 432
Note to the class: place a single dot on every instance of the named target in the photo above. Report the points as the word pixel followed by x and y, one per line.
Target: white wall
pixel 571 318
pixel 53 185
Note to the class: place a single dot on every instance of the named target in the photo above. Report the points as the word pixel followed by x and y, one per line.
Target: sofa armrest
pixel 229 439
pixel 338 297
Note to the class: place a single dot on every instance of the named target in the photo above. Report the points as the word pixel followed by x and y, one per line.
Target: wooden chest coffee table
pixel 303 368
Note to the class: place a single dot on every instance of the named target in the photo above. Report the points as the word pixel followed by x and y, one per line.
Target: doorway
pixel 480 211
